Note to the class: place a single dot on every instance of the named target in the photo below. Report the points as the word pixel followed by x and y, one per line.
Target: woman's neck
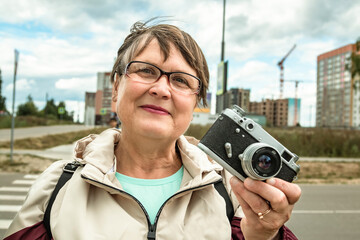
pixel 147 158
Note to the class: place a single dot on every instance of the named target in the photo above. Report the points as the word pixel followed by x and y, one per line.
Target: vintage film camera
pixel 245 149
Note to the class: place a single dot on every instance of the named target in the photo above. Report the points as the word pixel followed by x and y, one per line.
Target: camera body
pixel 245 149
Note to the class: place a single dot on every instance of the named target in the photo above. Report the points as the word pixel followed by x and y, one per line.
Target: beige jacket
pixel 92 204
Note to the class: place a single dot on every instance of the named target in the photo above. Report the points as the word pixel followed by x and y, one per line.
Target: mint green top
pixel 152 193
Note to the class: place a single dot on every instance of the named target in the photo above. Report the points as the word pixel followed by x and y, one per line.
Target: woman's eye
pixel 146 70
pixel 180 80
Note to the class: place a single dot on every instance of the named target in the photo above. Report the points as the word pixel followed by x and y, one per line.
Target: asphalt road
pixel 327 212
pixel 330 212
pixel 20 133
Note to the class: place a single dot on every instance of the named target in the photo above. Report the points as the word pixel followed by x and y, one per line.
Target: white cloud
pixel 77 84
pixel 21 85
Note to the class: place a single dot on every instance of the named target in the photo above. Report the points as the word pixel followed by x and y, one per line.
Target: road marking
pixel 31 176
pixel 12 197
pixel 326 211
pixel 4 224
pixel 24 182
pixel 14 189
pixel 10 208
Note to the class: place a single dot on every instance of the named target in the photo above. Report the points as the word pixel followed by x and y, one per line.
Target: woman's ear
pixel 115 87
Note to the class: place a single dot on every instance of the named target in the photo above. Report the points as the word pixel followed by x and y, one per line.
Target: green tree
pixel 2 99
pixel 66 115
pixel 28 108
pixel 50 108
pixel 354 66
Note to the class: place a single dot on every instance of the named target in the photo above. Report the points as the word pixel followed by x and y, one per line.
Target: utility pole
pixel 13 107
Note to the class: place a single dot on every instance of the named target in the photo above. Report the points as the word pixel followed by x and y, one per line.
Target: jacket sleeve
pixel 236 233
pixel 31 214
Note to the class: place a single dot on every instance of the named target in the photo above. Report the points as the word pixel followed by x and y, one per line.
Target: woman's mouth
pixel 155 109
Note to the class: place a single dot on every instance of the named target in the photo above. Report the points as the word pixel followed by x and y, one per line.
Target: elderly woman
pixel 147 181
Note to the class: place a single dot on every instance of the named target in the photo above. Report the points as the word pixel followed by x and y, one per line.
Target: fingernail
pixel 249 181
pixel 271 181
pixel 233 180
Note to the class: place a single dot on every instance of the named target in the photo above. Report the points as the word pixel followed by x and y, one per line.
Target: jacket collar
pixel 97 152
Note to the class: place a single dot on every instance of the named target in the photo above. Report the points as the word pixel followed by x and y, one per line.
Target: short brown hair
pixel 141 35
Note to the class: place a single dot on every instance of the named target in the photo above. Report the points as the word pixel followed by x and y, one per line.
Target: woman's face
pixel 155 110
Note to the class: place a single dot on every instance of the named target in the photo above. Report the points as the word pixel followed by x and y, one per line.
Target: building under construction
pixel 278 112
pixel 337 101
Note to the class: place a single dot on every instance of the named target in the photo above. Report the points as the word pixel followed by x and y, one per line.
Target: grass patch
pixel 314 142
pixel 9 163
pixel 31 121
pixel 328 172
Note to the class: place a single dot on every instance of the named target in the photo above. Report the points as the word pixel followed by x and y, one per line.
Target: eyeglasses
pixel 148 73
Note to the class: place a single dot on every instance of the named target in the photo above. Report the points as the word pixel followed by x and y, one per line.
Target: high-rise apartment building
pixel 278 112
pixel 337 102
pixel 237 96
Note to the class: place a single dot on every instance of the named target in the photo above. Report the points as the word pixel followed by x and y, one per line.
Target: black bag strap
pixel 67 173
pixel 219 186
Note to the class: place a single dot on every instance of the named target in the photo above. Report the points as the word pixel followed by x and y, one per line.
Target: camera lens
pixel 260 161
pixel 266 162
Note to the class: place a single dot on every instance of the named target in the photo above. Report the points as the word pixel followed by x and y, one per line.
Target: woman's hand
pixel 254 198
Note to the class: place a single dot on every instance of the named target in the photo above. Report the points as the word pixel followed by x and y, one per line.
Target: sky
pixel 63 44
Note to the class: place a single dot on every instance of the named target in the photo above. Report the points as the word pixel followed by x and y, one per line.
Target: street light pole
pixel 13 107
pixel 223 33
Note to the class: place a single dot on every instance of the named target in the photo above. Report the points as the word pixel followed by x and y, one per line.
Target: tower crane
pixel 281 66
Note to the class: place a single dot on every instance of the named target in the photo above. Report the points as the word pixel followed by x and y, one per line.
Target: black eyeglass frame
pixel 162 72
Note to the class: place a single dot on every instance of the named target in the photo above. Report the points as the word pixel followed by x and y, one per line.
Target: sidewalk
pixel 21 133
pixel 56 153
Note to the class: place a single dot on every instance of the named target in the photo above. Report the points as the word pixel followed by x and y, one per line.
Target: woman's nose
pixel 161 88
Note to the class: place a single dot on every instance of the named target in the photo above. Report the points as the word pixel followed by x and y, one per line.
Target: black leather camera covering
pixel 224 131
pixel 216 138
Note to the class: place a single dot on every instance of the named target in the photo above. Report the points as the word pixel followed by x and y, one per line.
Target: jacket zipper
pixel 152 227
pixel 163 205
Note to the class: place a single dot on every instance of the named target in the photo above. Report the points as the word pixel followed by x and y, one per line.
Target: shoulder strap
pixel 67 173
pixel 219 186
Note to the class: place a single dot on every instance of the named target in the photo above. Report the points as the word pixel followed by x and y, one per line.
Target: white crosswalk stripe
pixel 31 176
pixel 4 223
pixel 13 197
pixel 24 182
pixel 10 208
pixel 14 189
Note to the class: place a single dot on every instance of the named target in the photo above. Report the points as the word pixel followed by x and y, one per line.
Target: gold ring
pixel 261 215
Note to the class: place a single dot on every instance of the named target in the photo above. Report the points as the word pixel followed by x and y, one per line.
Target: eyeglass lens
pixel 148 73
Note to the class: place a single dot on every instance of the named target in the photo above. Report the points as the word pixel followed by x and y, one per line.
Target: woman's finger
pixel 291 190
pixel 253 200
pixel 262 192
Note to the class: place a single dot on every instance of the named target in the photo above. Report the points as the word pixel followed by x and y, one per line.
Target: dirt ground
pixel 311 172
pixel 23 163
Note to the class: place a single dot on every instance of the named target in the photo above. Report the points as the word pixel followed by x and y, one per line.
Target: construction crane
pixel 281 65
